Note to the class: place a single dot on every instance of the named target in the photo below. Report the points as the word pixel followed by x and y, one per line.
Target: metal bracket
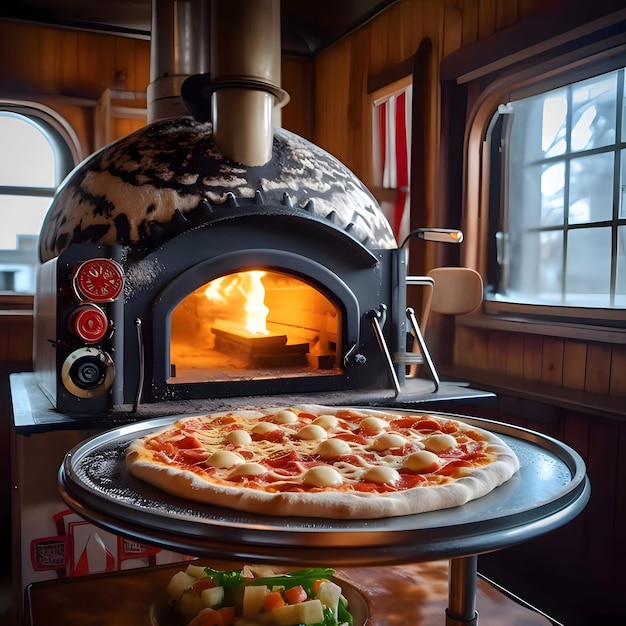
pixel 410 313
pixel 378 317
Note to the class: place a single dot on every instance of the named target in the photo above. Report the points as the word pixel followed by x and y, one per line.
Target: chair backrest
pixel 457 291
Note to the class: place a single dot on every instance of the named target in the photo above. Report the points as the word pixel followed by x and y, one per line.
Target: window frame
pixel 387 194
pixel 588 52
pixel 68 153
pixel 498 191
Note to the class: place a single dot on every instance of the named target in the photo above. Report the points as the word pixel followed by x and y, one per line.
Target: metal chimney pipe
pixel 180 47
pixel 245 77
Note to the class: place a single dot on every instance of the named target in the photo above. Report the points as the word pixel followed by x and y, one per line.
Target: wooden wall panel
pixel 452 27
pixel 514 348
pixel 297 79
pixel 68 80
pixel 598 370
pixel 496 354
pixel 617 385
pixel 533 357
pixel 574 364
pixel 552 361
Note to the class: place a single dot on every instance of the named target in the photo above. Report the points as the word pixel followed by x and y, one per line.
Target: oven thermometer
pixel 98 280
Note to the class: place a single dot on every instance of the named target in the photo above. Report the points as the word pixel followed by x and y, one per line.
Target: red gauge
pixel 89 323
pixel 98 280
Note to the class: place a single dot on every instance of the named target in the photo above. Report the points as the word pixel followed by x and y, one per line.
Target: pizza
pixel 324 462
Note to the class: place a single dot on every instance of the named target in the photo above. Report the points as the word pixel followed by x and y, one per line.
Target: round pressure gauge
pixel 98 280
pixel 89 323
pixel 88 372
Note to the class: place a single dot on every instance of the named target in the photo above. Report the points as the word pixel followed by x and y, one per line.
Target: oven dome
pixel 169 177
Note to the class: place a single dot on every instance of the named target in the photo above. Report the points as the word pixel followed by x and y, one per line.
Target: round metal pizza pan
pixel 549 490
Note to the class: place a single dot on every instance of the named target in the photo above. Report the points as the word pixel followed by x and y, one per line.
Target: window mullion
pixel 566 192
pixel 617 184
pixel 39 192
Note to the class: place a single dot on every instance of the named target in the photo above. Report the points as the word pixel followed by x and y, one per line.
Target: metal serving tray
pixel 549 490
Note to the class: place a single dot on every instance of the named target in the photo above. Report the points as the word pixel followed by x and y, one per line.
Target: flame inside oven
pixel 254 324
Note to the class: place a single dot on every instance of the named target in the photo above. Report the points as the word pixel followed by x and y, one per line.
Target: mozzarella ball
pixel 381 475
pixel 331 449
pixel 249 469
pixel 439 442
pixel 326 421
pixel 388 440
pixel 312 431
pixel 263 427
pixel 224 458
pixel 322 476
pixel 238 437
pixel 422 461
pixel 285 417
pixel 372 424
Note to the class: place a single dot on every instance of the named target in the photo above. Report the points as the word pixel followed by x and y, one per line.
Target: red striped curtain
pixel 392 156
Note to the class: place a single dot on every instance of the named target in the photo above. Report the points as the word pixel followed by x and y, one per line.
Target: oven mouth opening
pixel 254 324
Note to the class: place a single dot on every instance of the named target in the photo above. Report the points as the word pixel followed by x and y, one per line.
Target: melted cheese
pixel 381 474
pixel 330 449
pixel 238 437
pixel 388 440
pixel 439 442
pixel 355 447
pixel 421 461
pixel 285 417
pixel 312 431
pixel 326 421
pixel 322 476
pixel 224 459
pixel 372 424
pixel 263 427
pixel 249 469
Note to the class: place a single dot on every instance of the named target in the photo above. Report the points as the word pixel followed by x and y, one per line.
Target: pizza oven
pixel 213 254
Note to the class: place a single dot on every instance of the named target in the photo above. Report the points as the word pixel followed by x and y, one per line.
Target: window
pixel 559 158
pixel 36 153
pixel 391 120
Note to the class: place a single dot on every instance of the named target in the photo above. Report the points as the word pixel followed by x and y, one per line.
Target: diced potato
pixel 189 604
pixel 213 596
pixel 179 582
pixel 253 599
pixel 329 594
pixel 196 571
pixel 308 612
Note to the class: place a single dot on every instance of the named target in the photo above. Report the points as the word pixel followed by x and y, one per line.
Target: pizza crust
pixel 326 503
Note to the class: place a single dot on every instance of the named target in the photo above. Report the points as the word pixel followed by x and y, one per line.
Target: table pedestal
pixel 461 609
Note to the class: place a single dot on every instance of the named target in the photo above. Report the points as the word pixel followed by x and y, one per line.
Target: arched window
pixel 544 170
pixel 37 151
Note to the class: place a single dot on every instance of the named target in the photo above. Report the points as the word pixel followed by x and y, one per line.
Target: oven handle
pixel 140 350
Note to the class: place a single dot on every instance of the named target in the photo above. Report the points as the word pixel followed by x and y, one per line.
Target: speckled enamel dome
pixel 166 177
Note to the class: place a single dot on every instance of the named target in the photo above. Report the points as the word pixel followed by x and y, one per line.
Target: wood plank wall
pixel 68 70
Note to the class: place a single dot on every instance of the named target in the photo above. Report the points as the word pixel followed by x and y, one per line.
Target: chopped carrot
pixel 228 615
pixel 273 600
pixel 207 617
pixel 317 583
pixel 204 583
pixel 294 595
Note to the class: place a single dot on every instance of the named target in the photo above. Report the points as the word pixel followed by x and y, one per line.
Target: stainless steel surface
pixel 550 489
pixel 462 583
